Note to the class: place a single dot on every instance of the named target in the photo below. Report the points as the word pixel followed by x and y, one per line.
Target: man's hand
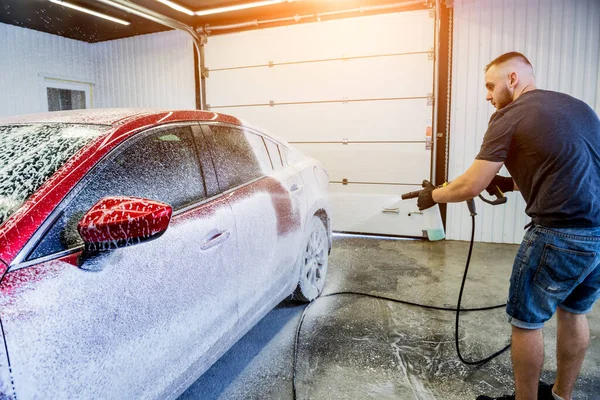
pixel 505 184
pixel 425 200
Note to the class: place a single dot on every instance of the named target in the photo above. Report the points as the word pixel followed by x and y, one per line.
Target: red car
pixel 137 246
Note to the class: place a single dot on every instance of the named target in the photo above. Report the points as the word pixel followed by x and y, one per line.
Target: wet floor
pixel 357 347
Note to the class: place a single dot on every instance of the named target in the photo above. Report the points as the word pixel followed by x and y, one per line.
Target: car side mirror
pixel 116 222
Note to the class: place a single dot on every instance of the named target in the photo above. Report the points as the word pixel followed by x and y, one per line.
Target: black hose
pixel 457 309
pixel 462 287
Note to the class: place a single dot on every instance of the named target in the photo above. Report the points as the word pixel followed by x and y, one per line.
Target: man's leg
pixel 572 340
pixel 527 358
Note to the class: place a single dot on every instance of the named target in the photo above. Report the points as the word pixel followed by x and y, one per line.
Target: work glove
pixel 425 199
pixel 505 184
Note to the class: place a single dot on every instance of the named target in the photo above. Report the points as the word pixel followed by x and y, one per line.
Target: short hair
pixel 507 57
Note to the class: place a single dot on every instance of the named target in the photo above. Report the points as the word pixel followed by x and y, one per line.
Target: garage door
pixel 353 93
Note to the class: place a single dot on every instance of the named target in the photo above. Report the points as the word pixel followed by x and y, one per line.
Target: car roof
pixel 102 116
pixel 113 117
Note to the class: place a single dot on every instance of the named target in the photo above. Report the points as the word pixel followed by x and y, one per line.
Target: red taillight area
pixel 115 219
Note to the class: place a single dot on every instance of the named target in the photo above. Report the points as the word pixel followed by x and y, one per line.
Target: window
pixel 67 95
pixel 260 150
pixel 240 157
pixel 274 153
pixel 283 151
pixel 160 166
pixel 65 99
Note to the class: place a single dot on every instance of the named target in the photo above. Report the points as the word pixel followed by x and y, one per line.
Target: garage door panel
pixel 371 78
pixel 363 82
pixel 333 39
pixel 391 120
pixel 406 163
pixel 360 208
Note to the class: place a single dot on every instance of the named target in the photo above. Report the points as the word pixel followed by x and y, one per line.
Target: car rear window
pixel 274 154
pixel 240 156
pixel 30 154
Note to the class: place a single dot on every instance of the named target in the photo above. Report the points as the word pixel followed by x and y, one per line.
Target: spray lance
pixel 500 199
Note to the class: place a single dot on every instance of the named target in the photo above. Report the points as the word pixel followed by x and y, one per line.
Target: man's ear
pixel 513 79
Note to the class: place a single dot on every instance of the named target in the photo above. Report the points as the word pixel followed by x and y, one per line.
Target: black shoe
pixel 544 393
pixel 506 397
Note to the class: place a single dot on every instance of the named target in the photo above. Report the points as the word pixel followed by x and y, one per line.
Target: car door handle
pixel 215 240
pixel 296 188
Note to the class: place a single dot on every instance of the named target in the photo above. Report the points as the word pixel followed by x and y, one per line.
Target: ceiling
pixel 42 15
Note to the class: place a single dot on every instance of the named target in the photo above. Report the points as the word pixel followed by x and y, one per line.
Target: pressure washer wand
pixel 411 195
pixel 500 199
pixel 470 203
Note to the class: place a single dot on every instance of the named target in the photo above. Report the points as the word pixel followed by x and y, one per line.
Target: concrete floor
pixel 354 347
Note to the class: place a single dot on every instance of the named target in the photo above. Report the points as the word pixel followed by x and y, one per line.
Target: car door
pixel 267 219
pixel 144 321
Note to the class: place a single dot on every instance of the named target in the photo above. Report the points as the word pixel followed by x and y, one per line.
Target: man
pixel 550 144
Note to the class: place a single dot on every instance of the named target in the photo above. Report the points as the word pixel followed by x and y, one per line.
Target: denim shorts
pixel 554 267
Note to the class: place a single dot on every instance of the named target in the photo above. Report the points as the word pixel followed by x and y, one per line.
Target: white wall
pixel 26 56
pixel 561 38
pixel 155 70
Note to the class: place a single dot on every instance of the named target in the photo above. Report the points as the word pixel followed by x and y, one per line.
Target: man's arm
pixel 469 184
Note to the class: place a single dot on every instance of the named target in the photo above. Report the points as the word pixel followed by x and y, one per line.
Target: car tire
pixel 313 261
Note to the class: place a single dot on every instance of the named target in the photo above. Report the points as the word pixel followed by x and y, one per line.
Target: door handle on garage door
pixel 215 240
pixel 296 188
pixel 391 210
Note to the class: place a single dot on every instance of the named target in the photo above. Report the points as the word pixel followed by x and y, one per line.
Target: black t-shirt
pixel 550 144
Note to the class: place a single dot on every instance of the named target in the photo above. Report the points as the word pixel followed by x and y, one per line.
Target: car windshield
pixel 30 154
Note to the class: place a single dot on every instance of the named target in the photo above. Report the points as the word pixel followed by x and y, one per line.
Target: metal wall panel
pixel 27 57
pixel 561 38
pixel 155 70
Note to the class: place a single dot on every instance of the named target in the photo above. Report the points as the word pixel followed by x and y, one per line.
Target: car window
pixel 274 153
pixel 239 156
pixel 257 144
pixel 160 166
pixel 293 155
pixel 283 151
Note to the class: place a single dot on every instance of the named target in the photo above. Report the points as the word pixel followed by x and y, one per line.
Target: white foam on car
pixel 30 154
pixel 144 325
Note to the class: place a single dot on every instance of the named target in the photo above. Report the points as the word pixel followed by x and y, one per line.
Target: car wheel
pixel 313 262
